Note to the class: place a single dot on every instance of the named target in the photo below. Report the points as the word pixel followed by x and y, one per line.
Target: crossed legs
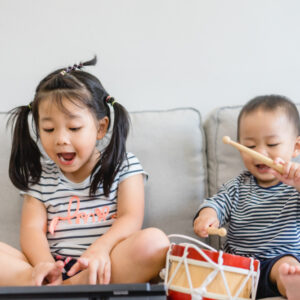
pixel 136 259
pixel 15 269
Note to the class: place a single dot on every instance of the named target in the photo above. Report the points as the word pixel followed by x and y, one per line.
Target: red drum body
pixel 194 273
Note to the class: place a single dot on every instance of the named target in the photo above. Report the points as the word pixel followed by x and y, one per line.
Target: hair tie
pixel 110 100
pixel 30 105
pixel 73 68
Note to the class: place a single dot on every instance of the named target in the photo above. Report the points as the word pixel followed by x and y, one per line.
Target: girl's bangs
pixel 80 98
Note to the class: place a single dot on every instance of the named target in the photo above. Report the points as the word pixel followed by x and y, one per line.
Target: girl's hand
pixel 207 218
pixel 291 173
pixel 97 264
pixel 48 273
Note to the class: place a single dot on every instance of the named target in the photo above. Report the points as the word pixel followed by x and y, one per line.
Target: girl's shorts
pixel 265 287
pixel 68 262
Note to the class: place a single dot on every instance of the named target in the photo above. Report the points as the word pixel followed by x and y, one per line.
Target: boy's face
pixel 270 133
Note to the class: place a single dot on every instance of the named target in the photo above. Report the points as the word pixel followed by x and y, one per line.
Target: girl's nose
pixel 62 138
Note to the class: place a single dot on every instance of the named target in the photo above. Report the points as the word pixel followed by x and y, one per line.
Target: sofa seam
pixel 167 110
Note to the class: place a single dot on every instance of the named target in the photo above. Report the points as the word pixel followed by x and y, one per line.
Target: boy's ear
pixel 297 147
pixel 102 128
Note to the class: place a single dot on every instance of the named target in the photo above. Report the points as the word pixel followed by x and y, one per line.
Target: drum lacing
pixel 198 293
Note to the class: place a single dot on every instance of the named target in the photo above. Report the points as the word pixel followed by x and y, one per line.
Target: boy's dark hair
pixel 271 103
pixel 77 86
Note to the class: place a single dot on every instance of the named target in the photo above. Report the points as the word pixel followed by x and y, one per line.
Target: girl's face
pixel 270 133
pixel 70 139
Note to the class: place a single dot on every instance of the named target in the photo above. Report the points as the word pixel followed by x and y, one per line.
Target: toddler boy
pixel 262 206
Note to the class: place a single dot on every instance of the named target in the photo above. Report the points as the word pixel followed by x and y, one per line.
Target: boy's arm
pixel 216 210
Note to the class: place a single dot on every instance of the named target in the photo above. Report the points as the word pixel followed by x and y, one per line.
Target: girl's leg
pixel 5 248
pixel 286 274
pixel 139 258
pixel 15 269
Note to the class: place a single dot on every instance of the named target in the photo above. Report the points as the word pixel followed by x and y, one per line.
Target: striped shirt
pixel 263 222
pixel 76 220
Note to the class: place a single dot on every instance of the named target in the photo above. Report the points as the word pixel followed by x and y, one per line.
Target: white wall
pixel 155 53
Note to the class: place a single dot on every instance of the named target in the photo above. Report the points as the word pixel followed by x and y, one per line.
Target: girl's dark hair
pixel 75 85
pixel 271 103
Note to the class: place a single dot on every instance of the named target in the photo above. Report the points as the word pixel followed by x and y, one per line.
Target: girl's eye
pixel 48 129
pixel 251 147
pixel 273 145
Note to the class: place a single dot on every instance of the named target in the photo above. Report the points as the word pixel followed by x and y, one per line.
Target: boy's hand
pixel 98 265
pixel 48 273
pixel 291 173
pixel 207 218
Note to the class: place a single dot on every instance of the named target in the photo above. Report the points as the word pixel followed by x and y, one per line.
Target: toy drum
pixel 194 273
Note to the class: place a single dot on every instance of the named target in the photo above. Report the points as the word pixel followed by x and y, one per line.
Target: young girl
pixel 83 209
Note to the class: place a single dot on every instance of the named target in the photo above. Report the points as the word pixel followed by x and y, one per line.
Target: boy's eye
pixel 48 129
pixel 75 128
pixel 251 147
pixel 273 145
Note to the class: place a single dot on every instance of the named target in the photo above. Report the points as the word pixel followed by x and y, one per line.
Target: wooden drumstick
pixel 217 231
pixel 263 159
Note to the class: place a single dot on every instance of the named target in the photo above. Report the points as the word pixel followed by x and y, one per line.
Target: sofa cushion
pixel 223 161
pixel 171 147
pixel 11 201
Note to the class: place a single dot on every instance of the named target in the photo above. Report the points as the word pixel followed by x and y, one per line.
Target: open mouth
pixel 262 167
pixel 66 157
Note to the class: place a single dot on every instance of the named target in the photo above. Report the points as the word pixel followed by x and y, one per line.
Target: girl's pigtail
pixel 24 165
pixel 91 62
pixel 114 154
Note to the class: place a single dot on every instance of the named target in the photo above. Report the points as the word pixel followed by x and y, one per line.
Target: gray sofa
pixel 183 155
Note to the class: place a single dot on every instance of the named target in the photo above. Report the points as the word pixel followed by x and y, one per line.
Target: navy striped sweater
pixel 263 222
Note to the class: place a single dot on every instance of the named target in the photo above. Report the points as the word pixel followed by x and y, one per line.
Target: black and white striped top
pixel 263 222
pixel 75 218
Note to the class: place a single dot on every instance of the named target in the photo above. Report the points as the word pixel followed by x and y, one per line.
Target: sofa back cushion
pixel 171 147
pixel 10 199
pixel 223 161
